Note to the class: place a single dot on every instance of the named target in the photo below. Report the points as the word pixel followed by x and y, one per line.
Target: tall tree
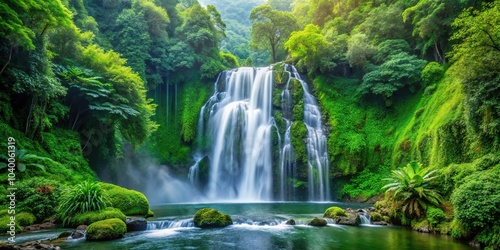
pixel 305 45
pixel 270 29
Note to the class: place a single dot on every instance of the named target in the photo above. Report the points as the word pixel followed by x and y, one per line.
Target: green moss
pixel 25 219
pixel 64 147
pixel 376 216
pixel 210 218
pixel 109 229
pixel 332 212
pixel 88 218
pixel 298 135
pixel 130 202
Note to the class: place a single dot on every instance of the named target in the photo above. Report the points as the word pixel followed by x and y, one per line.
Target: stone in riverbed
pixel 211 218
pixel 317 222
pixel 290 222
pixel 136 224
pixel 109 229
pixel 351 218
pixel 32 245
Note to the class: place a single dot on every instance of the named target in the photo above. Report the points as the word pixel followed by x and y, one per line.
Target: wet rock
pixel 317 222
pixel 290 222
pixel 32 245
pixel 424 229
pixel 136 224
pixel 352 219
pixel 380 223
pixel 43 226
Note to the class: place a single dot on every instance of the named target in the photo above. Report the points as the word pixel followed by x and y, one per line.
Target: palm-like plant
pixel 411 188
pixel 84 197
pixel 24 160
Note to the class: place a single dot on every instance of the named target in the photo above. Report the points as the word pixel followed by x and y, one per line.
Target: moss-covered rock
pixel 88 218
pixel 211 218
pixel 317 222
pixel 376 216
pixel 130 202
pixel 109 229
pixel 333 212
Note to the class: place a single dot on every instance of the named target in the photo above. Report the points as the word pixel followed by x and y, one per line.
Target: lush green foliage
pixel 108 229
pixel 478 35
pixel 476 203
pixel 410 188
pixel 435 216
pixel 83 197
pixel 23 160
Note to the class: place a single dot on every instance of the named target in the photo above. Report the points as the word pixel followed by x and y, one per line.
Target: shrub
pixel 432 73
pixel 25 219
pixel 106 230
pixel 90 217
pixel 376 216
pixel 4 227
pixel 130 202
pixel 435 216
pixel 39 196
pixel 83 197
pixel 332 212
pixel 476 203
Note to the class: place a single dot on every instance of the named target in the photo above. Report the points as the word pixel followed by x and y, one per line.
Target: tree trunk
pixel 8 60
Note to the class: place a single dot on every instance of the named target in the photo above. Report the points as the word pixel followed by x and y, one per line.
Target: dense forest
pixel 91 86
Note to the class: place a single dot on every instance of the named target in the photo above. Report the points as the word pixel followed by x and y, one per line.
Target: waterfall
pixel 317 153
pixel 237 122
pixel 287 163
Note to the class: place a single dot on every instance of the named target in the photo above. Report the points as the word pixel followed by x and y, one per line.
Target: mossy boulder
pixel 333 212
pixel 317 222
pixel 130 202
pixel 88 218
pixel 375 217
pixel 109 229
pixel 211 218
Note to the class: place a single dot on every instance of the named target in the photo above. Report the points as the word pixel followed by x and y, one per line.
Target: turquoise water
pixel 261 226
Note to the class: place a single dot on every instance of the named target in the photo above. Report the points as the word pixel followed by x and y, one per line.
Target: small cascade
pixel 364 218
pixel 241 220
pixel 194 174
pixel 287 162
pixel 164 224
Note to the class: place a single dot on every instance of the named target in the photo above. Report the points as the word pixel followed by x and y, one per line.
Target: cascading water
pixel 317 153
pixel 238 123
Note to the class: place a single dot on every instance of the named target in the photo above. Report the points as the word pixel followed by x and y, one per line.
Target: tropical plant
pixel 24 160
pixel 411 189
pixel 84 197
